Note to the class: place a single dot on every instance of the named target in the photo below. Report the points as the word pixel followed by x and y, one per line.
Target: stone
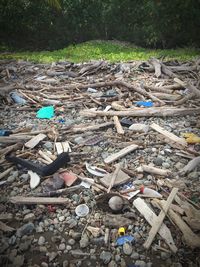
pixel 84 242
pixel 25 176
pixel 52 256
pixel 29 217
pixel 25 229
pixel 62 246
pixel 43 249
pixel 105 256
pixel 166 165
pixel 158 161
pixel 194 175
pixel 44 264
pixel 179 165
pixel 71 241
pixel 140 263
pixel 165 255
pixel 72 223
pixel 11 179
pixel 48 145
pixel 61 218
pixel 117 258
pixel 112 264
pixel 18 261
pixel 127 248
pixel 149 264
pixel 68 247
pixel 41 241
pixel 65 263
pixel 135 255
pixel 25 245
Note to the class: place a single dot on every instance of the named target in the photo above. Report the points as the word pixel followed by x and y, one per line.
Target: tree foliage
pixel 151 23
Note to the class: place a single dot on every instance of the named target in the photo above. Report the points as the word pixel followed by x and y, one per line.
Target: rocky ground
pixel 53 235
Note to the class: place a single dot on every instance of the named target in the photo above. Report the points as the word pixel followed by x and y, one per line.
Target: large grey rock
pixel 26 229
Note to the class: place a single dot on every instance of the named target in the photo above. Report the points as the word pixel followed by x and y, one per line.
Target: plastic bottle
pixel 5 132
pixel 150 192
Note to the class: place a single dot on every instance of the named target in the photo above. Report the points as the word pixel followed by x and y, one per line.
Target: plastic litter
pixel 17 98
pixel 45 113
pixel 5 132
pixel 124 239
pixel 121 231
pixel 150 192
pixel 146 104
pixel 91 90
pixel 82 210
pixel 35 179
pixel 95 170
pixel 191 138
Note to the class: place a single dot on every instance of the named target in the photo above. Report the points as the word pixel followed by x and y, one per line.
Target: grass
pixel 107 50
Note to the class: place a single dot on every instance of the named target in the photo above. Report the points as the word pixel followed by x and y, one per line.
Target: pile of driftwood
pixel 106 92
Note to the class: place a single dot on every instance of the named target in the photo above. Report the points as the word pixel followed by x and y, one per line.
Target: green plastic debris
pixel 45 112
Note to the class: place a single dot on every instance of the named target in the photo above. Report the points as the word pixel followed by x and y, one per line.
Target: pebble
pixel 140 263
pixel 166 165
pixel 25 176
pixel 65 263
pixel 106 257
pixel 135 255
pixel 158 161
pixel 52 256
pixel 41 241
pixel 29 217
pixel 71 241
pixel 62 246
pixel 68 247
pixel 193 175
pixel 44 264
pixel 127 248
pixel 18 261
pixel 25 229
pixel 117 258
pixel 112 264
pixel 43 249
pixel 48 145
pixel 84 242
pixel 61 218
pixel 11 179
pixel 165 255
pixel 72 223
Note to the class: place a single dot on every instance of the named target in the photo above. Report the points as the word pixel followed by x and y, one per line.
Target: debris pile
pixel 100 164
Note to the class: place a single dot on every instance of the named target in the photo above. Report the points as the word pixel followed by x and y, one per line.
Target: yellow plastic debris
pixel 191 138
pixel 121 231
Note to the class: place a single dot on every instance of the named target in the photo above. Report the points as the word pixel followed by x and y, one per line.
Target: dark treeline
pixel 149 23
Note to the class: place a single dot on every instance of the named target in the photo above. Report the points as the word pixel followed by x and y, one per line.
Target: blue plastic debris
pixel 45 112
pixel 124 239
pixel 146 104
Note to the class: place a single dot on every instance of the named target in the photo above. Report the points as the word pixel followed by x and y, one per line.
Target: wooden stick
pixel 6 172
pixel 44 156
pixel 35 140
pixel 143 112
pixel 77 129
pixel 159 220
pixel 191 239
pixel 169 135
pixel 150 216
pixel 154 170
pixel 121 153
pixel 38 200
pixel 118 125
pixel 113 178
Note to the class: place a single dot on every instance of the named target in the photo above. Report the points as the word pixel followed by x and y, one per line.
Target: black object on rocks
pixel 50 169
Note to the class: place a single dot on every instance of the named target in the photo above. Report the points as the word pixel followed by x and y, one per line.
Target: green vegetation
pixel 107 50
pixel 42 25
